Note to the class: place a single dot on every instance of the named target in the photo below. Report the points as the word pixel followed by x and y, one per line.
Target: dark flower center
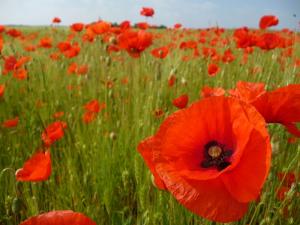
pixel 216 155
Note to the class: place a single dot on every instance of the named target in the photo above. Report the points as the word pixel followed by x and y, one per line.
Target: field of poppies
pixel 126 123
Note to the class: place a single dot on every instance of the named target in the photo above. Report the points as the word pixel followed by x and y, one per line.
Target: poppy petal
pixel 37 168
pixel 62 217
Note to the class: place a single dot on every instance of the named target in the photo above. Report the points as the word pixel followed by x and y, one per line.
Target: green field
pixel 96 168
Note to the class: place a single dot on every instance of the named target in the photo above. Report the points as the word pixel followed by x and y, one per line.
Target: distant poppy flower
pixel 82 70
pixel 172 80
pixel 20 74
pixel 213 69
pixel 56 20
pixel 125 25
pixel 268 21
pixel 14 33
pixel 203 159
pixel 134 42
pixel 209 92
pixel 281 106
pixel 181 102
pixel 2 28
pixel 142 25
pixel 46 42
pixel 177 26
pixel 58 114
pixel 11 122
pixel 146 11
pixel 37 168
pixel 77 27
pixel 72 68
pixel 1 43
pixel 10 63
pixel 94 106
pixel 228 56
pixel 161 52
pixel 2 90
pixel 88 117
pixel 53 133
pixel 62 217
pixel 100 27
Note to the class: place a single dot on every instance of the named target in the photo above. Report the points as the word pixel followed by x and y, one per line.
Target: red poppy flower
pixel 181 102
pixel 2 90
pixel 134 42
pixel 2 28
pixel 37 168
pixel 89 117
pixel 9 63
pixel 58 114
pixel 77 27
pixel 172 80
pixel 56 20
pixel 177 26
pixel 100 27
pixel 209 92
pixel 145 11
pixel 1 43
pixel 46 42
pixel 125 25
pixel 213 69
pixel 94 106
pixel 20 74
pixel 281 106
pixel 268 21
pixel 142 25
pixel 53 132
pixel 207 160
pixel 11 122
pixel 63 217
pixel 161 52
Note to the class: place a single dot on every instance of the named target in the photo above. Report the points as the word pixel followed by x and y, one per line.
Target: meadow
pixel 96 167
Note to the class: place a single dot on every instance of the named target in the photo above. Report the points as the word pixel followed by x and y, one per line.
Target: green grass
pixel 106 178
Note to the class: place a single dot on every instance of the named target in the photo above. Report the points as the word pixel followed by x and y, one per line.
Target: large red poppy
pixel 37 168
pixel 213 157
pixel 63 217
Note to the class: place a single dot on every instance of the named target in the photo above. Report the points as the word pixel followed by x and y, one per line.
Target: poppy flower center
pixel 216 155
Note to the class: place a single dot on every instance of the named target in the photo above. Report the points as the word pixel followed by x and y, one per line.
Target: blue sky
pixel 191 13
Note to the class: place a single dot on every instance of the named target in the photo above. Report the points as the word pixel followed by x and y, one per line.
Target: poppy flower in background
pixel 46 42
pixel 203 159
pixel 177 26
pixel 181 102
pixel 210 91
pixel 281 106
pixel 145 11
pixel 94 106
pixel 172 80
pixel 142 25
pixel 2 90
pixel 134 42
pixel 37 168
pixel 77 27
pixel 2 28
pixel 53 133
pixel 1 43
pixel 268 21
pixel 11 122
pixel 56 20
pixel 213 69
pixel 125 25
pixel 62 217
pixel 161 52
